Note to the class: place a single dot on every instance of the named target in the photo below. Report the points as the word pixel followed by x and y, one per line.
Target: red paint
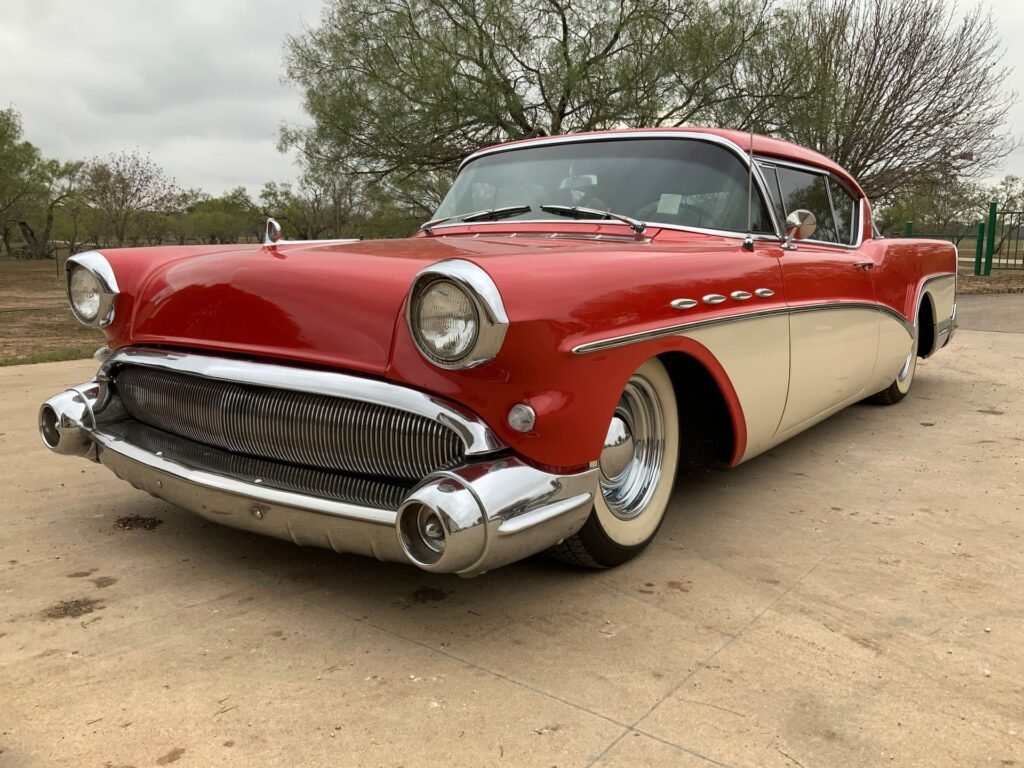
pixel 341 306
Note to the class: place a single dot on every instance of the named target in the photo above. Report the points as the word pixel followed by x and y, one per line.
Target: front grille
pixel 353 489
pixel 299 428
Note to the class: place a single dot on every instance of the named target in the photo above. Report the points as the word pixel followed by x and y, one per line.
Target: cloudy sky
pixel 197 83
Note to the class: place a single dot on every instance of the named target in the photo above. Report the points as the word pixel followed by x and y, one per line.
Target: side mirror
pixel 800 225
pixel 273 232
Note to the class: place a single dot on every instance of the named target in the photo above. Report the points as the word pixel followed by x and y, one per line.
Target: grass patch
pixel 50 356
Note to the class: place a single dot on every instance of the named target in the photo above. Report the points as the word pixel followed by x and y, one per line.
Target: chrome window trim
pixel 482 292
pixel 798 166
pixel 760 237
pixel 97 265
pixel 477 437
pixel 652 134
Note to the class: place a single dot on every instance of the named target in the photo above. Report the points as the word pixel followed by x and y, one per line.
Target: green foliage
pixel 401 89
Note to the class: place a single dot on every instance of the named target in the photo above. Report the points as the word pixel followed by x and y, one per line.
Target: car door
pixel 833 321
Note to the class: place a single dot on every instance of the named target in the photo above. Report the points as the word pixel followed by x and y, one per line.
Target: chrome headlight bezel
pixel 97 266
pixel 492 321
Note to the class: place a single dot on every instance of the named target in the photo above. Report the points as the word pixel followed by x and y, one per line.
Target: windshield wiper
pixel 576 212
pixel 488 214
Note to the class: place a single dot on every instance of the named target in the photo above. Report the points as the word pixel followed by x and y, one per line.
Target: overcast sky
pixel 197 83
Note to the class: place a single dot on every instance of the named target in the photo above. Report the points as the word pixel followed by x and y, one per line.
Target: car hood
pixel 337 304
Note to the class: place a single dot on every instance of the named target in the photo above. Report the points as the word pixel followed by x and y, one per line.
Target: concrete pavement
pixel 853 598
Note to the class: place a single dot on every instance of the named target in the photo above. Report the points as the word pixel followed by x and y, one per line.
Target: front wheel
pixel 637 471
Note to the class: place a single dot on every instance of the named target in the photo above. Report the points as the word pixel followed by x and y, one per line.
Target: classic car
pixel 583 315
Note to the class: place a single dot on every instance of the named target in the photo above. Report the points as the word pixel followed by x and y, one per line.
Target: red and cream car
pixel 584 314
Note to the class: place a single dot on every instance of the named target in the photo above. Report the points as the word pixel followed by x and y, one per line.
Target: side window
pixel 802 189
pixel 771 182
pixel 845 206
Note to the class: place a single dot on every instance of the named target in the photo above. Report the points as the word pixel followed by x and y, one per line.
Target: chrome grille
pixel 353 489
pixel 298 428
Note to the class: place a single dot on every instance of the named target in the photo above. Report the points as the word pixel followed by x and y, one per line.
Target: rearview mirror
pixel 800 225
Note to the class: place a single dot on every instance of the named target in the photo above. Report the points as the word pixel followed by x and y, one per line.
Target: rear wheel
pixel 637 472
pixel 900 386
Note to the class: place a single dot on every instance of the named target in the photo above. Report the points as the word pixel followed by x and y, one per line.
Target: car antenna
pixel 748 241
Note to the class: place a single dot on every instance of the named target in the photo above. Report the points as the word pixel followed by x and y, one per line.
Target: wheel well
pixel 925 327
pixel 706 431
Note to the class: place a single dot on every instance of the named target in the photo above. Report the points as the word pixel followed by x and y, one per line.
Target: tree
pixel 400 88
pixel 952 209
pixel 57 183
pixel 123 185
pixel 18 162
pixel 904 95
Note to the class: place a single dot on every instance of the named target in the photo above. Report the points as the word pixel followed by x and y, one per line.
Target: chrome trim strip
pixel 671 330
pixel 764 293
pixel 737 150
pixel 483 292
pixel 95 263
pixel 713 298
pixel 477 436
pixel 741 295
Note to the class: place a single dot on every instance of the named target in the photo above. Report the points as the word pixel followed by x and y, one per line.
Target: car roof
pixel 765 146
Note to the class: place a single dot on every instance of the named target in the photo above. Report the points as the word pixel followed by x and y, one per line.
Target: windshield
pixel 683 182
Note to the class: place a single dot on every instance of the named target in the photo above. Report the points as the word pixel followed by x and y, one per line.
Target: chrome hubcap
pixel 634 451
pixel 905 370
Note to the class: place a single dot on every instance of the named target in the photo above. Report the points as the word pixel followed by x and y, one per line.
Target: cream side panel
pixel 833 359
pixel 943 293
pixel 755 356
pixel 894 345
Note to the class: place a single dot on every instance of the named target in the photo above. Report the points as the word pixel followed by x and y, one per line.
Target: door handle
pixel 867 266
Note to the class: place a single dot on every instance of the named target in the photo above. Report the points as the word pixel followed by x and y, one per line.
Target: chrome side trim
pixel 741 295
pixel 671 330
pixel 709 138
pixel 476 436
pixel 713 298
pixel 683 303
pixel 95 263
pixel 483 292
pixel 820 306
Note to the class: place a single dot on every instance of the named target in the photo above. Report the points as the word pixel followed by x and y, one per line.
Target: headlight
pixel 455 315
pixel 445 321
pixel 84 290
pixel 92 288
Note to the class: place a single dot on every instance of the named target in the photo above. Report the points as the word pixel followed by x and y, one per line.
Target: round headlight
pixel 446 322
pixel 85 292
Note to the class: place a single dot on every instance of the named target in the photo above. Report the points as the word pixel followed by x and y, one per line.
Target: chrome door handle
pixel 867 266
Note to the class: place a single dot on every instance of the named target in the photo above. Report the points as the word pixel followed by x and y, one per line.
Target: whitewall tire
pixel 637 473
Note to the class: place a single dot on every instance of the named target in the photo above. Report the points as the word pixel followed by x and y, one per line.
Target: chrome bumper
pixel 477 517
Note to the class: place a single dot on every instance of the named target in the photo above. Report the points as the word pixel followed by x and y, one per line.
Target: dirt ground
pixel 35 322
pixel 852 598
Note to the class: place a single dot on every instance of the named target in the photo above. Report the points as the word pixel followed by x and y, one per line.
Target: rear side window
pixel 801 189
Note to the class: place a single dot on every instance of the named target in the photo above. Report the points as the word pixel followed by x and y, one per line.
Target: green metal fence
pixel 998 242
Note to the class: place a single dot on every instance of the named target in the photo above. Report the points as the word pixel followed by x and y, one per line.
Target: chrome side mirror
pixel 273 232
pixel 800 225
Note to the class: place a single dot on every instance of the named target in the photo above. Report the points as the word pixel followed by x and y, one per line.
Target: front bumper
pixel 490 512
